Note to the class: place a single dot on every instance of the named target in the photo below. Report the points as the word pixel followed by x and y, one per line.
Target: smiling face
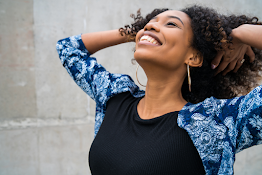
pixel 165 42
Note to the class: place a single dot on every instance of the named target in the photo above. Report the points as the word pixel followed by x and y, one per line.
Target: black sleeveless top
pixel 128 145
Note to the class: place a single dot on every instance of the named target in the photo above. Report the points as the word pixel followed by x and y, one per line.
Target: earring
pixel 188 77
pixel 137 77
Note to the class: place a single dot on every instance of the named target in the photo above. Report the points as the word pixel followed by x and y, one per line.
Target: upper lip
pixel 150 34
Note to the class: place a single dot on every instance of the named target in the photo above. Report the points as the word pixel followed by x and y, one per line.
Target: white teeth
pixel 149 39
pixel 143 38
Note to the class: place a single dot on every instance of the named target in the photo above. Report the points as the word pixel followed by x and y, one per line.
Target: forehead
pixel 183 16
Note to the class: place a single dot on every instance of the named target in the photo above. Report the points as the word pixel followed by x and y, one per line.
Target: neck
pixel 162 96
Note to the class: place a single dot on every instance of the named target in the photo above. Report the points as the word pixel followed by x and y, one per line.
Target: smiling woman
pixel 169 129
pixel 211 35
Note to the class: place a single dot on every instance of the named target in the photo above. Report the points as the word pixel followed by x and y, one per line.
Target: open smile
pixel 149 38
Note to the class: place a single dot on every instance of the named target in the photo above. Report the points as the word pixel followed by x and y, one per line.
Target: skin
pixel 243 37
pixel 102 39
pixel 165 65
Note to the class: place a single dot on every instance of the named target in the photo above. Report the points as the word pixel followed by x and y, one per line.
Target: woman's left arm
pixel 242 117
pixel 248 34
pixel 244 37
pixel 248 121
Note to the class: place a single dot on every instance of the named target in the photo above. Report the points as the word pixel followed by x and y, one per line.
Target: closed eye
pixel 172 24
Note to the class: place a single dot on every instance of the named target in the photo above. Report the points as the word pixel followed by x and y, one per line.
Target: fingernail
pixel 213 66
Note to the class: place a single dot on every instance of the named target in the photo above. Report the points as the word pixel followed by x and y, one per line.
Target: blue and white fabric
pixel 218 128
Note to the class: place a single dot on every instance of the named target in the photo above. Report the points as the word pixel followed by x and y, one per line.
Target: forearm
pixel 249 34
pixel 100 40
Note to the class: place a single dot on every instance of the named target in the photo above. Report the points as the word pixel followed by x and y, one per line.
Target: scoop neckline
pixel 155 118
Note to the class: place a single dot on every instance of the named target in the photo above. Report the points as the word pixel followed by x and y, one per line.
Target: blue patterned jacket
pixel 218 128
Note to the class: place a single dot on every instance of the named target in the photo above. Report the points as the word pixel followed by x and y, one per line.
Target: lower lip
pixel 147 43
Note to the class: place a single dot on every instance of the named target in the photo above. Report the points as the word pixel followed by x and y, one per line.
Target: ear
pixel 195 59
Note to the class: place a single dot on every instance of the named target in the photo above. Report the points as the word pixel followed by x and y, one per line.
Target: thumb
pixel 217 59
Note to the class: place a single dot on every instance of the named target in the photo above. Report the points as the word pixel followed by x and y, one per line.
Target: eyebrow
pixel 176 18
pixel 172 17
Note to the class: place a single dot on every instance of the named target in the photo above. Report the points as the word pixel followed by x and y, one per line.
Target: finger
pixel 221 67
pixel 217 59
pixel 238 64
pixel 230 67
pixel 251 54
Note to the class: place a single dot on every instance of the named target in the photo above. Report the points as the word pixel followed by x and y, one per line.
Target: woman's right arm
pixel 75 55
pixel 100 40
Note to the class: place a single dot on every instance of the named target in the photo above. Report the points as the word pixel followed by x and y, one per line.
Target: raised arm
pixel 249 35
pixel 75 55
pixel 100 40
pixel 244 37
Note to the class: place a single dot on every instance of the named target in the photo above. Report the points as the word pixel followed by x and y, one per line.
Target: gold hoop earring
pixel 137 77
pixel 188 77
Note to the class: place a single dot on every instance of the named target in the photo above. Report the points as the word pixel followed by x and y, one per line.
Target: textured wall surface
pixel 46 121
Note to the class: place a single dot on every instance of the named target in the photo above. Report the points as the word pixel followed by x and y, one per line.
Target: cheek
pixel 178 45
pixel 177 54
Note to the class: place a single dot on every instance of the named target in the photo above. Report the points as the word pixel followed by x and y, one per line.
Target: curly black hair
pixel 211 32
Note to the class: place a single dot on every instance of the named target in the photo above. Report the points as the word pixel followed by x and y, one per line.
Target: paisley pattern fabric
pixel 218 128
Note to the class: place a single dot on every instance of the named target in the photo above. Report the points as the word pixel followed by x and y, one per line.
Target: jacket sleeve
pixel 90 76
pixel 243 116
pixel 249 120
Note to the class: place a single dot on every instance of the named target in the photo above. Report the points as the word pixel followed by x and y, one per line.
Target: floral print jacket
pixel 218 128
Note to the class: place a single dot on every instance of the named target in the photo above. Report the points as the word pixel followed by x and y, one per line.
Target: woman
pixel 175 126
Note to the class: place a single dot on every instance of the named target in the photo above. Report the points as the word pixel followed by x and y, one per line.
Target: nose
pixel 152 26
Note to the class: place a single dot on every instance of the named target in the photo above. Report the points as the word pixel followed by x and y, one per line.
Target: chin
pixel 140 55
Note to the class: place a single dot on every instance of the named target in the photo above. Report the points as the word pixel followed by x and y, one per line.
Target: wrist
pixel 126 33
pixel 242 33
pixel 236 34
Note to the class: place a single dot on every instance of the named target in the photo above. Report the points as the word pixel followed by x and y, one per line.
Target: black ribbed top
pixel 128 145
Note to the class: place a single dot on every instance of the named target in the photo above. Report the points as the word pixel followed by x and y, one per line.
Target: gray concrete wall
pixel 46 121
